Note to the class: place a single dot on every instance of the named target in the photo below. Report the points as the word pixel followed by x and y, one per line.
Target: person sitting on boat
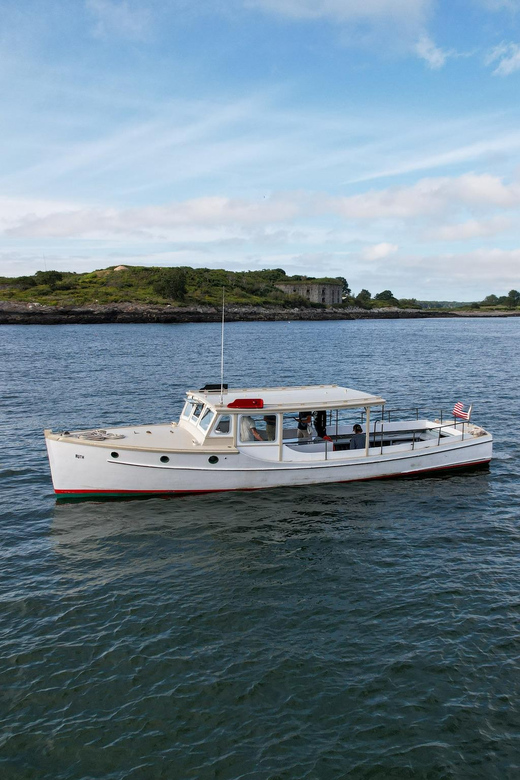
pixel 248 432
pixel 358 440
pixel 320 423
pixel 304 424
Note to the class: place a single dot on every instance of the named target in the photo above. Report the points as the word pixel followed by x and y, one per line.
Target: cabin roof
pixel 311 397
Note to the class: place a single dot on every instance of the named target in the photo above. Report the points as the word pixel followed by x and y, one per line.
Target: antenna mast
pixel 222 352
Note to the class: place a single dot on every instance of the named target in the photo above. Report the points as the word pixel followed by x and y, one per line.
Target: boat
pixel 267 437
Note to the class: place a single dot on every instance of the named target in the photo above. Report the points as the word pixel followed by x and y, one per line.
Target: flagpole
pixel 222 352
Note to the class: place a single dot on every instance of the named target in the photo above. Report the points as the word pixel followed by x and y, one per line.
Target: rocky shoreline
pixel 16 313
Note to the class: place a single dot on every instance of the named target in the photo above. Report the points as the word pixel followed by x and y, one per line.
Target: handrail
pixel 376 437
pixel 386 414
pixel 436 427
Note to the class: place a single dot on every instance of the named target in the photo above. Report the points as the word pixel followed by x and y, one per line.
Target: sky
pixel 378 140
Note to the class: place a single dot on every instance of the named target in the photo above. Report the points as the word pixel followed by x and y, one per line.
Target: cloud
pixel 473 228
pixel 121 18
pixel 226 217
pixel 470 274
pixel 409 11
pixel 213 213
pixel 484 265
pixel 492 145
pixel 508 57
pixel 379 251
pixel 429 197
pixel 426 50
pixel 391 24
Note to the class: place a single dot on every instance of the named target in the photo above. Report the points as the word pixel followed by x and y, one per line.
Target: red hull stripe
pixel 233 490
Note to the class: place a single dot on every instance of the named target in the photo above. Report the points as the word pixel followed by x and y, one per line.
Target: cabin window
pixel 196 412
pixel 206 418
pixel 290 422
pixel 297 427
pixel 188 408
pixel 257 428
pixel 223 426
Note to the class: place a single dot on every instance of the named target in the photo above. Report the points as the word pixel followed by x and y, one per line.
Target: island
pixel 140 294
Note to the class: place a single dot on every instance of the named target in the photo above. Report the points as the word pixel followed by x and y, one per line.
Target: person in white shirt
pixel 248 431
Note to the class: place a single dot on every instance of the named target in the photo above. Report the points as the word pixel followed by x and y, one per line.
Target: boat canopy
pixel 286 399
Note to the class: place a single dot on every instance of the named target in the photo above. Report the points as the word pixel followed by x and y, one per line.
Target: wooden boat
pixel 246 439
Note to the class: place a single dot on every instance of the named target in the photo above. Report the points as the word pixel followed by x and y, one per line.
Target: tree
pixel 25 282
pixel 274 274
pixel 386 295
pixel 363 299
pixel 171 283
pixel 409 303
pixel 513 299
pixel 50 278
pixel 490 300
pixel 346 291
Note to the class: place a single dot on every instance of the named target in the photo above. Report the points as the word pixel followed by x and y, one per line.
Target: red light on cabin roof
pixel 246 403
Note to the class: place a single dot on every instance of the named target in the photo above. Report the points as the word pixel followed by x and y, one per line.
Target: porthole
pixel 165 459
pixel 114 454
pixel 213 459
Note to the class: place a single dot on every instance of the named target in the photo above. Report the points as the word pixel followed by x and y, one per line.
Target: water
pixel 367 630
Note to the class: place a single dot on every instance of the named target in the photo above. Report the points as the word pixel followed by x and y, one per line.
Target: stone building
pixel 316 292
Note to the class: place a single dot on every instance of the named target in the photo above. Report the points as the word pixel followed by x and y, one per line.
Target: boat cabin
pixel 307 422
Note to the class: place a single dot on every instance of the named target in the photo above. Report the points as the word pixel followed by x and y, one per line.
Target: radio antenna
pixel 222 351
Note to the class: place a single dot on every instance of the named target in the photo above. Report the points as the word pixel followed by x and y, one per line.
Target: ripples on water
pixel 361 631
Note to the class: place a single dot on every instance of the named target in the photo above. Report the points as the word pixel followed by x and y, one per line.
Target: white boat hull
pixel 88 468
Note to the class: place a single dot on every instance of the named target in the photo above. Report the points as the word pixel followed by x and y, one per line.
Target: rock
pixel 18 313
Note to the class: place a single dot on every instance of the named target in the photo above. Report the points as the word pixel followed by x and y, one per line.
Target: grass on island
pixel 186 286
pixel 148 285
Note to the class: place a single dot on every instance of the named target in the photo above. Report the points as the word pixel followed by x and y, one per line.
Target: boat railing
pixel 414 411
pixel 378 435
pixel 380 432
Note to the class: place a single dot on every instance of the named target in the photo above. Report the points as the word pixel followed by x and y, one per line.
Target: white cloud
pixel 209 212
pixel 508 57
pixel 379 251
pixel 122 18
pixel 463 276
pixel 491 146
pixel 430 196
pixel 382 24
pixel 485 265
pixel 470 229
pixel 410 11
pixel 226 217
pixel 428 51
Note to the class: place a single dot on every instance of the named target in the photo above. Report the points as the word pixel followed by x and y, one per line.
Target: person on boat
pixel 358 440
pixel 320 423
pixel 270 426
pixel 248 432
pixel 304 424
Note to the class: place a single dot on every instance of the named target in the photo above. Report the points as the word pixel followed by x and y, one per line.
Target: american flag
pixel 458 411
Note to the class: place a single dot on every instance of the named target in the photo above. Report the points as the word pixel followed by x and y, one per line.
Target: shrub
pixel 24 282
pixel 50 278
pixel 170 283
pixel 363 299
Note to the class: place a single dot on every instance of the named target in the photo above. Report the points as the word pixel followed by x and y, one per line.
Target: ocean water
pixel 365 630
